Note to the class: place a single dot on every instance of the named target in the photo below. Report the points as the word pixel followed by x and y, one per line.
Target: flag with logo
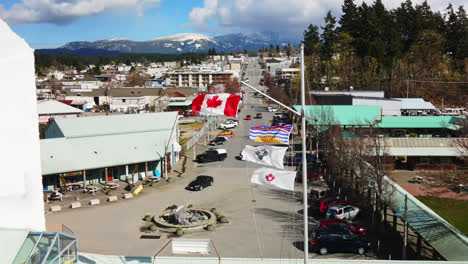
pixel 273 134
pixel 265 155
pixel 276 178
pixel 216 104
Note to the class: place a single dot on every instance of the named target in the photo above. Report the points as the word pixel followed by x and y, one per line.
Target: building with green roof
pixel 343 115
pixel 100 149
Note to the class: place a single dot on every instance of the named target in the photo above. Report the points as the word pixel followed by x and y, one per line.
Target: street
pixel 263 222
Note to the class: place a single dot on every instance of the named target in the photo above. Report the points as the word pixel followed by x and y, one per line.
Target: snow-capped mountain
pixel 174 44
pixel 179 43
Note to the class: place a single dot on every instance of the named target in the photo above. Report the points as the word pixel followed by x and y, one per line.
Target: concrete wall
pixel 21 198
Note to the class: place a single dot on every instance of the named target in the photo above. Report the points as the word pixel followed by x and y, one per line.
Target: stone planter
pixel 179 232
pixel 223 220
pixel 153 228
pixel 209 227
pixel 148 218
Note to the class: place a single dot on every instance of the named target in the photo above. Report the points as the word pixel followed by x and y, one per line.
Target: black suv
pixel 199 183
pixel 212 155
pixel 338 240
pixel 218 141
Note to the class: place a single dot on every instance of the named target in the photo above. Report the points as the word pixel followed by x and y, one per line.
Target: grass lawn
pixel 452 210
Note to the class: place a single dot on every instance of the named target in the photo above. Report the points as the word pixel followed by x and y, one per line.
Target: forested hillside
pixel 411 49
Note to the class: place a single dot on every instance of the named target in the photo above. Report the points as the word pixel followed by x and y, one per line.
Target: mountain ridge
pixel 173 44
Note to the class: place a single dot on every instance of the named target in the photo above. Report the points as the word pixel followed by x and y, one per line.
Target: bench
pixel 55 208
pixel 94 202
pixel 112 198
pixel 127 196
pixel 75 205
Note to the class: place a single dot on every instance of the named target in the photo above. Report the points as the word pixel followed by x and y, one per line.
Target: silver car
pixel 345 212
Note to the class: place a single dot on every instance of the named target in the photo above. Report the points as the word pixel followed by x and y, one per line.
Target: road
pixel 264 223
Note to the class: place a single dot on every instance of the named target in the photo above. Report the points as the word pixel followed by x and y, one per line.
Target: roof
pixel 179 103
pixel 345 115
pixel 415 104
pixel 439 147
pixel 111 125
pixel 88 92
pixel 73 154
pixel 135 92
pixel 175 92
pixel 418 122
pixel 51 107
pixel 380 94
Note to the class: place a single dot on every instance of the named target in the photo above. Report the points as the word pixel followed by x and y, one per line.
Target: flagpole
pixel 304 160
pixel 304 156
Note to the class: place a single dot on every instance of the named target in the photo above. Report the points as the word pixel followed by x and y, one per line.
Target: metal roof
pixel 380 94
pixel 51 107
pixel 345 115
pixel 415 104
pixel 73 154
pixel 418 121
pixel 112 124
pixel 178 103
pixel 438 147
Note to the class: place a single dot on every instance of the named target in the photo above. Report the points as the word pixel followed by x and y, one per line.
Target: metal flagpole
pixel 304 159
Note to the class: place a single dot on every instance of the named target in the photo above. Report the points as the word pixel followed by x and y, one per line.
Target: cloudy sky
pixel 52 23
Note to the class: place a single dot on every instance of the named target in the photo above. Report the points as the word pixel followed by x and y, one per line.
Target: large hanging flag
pixel 273 134
pixel 265 155
pixel 216 104
pixel 276 178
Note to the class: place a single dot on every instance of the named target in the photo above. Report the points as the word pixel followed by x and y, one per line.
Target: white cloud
pixel 288 17
pixel 66 11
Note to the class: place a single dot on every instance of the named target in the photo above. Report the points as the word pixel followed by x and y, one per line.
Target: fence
pixel 200 133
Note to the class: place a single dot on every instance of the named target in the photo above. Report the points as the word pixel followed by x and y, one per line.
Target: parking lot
pixel 263 222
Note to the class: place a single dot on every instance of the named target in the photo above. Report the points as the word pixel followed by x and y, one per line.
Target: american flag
pixel 273 134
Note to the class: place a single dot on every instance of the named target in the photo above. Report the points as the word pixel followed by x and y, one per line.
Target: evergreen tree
pixel 349 18
pixel 329 36
pixel 311 40
pixel 277 49
pixel 214 51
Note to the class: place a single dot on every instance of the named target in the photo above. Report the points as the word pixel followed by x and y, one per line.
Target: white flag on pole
pixel 276 178
pixel 265 155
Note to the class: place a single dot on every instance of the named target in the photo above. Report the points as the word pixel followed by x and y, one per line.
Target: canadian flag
pixel 274 178
pixel 216 104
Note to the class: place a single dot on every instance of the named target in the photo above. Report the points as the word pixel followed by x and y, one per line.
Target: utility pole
pixel 304 159
pixel 405 239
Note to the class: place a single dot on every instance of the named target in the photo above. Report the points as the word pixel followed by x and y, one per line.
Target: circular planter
pixel 153 228
pixel 209 227
pixel 148 218
pixel 179 232
pixel 223 220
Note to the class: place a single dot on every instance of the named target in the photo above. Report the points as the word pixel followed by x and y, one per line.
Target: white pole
pixel 304 160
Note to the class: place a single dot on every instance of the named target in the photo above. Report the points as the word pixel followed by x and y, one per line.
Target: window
pixel 445 161
pixel 424 160
pixel 124 100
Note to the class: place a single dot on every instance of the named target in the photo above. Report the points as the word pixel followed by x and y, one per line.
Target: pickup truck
pixel 227 125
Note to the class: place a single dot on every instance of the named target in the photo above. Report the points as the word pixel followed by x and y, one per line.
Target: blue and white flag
pixel 273 134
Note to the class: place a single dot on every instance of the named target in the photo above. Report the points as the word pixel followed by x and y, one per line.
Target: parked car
pixel 235 121
pixel 227 125
pixel 212 155
pixel 338 240
pixel 199 183
pixel 342 224
pixel 319 191
pixel 259 115
pixel 321 206
pixel 272 109
pixel 294 159
pixel 248 117
pixel 218 141
pixel 226 133
pixel 342 211
pixel 314 172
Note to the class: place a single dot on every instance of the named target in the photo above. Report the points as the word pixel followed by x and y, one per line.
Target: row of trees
pixel 67 61
pixel 371 47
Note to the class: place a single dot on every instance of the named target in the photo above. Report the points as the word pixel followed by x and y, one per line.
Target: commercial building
pixel 51 109
pixel 199 79
pixel 101 149
pixel 287 73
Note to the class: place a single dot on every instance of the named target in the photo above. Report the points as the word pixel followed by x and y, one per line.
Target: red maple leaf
pixel 270 177
pixel 213 102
